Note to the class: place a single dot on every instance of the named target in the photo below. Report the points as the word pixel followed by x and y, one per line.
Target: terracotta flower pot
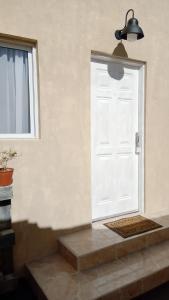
pixel 6 176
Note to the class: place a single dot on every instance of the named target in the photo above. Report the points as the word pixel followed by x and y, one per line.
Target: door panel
pixel 114 123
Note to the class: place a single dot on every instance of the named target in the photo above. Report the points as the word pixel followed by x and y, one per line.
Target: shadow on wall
pixel 120 50
pixel 116 71
pixel 34 243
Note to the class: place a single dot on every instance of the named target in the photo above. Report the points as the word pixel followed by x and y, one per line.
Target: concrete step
pixel 97 245
pixel 54 279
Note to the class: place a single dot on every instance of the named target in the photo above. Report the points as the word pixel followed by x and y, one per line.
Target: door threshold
pixel 117 217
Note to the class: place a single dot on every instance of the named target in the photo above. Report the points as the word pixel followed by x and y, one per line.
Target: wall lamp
pixel 131 31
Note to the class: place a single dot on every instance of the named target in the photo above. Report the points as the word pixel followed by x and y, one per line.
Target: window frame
pixel 33 92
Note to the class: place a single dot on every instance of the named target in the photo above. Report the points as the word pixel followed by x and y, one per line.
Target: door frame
pixel 95 55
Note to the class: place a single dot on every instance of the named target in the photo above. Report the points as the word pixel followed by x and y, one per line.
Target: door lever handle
pixel 137 143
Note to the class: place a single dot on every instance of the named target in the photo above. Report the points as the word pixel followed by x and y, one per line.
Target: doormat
pixel 128 227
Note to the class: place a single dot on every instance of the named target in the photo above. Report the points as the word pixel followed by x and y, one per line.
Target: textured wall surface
pixel 52 177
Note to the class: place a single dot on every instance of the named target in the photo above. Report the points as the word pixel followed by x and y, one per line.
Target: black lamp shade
pixel 132 27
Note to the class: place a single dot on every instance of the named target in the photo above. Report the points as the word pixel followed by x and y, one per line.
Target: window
pixel 18 91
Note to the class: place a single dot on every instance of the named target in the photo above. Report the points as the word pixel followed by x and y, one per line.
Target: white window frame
pixel 33 93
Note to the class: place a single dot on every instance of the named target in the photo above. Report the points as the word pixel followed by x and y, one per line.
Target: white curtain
pixel 14 91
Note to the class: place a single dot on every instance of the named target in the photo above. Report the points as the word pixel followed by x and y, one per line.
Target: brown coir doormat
pixel 127 227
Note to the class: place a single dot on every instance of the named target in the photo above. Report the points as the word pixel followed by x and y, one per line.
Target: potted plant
pixel 5 172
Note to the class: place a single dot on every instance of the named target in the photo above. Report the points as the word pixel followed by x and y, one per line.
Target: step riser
pixel 69 256
pixel 113 252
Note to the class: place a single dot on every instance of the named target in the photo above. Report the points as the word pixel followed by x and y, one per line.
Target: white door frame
pixel 141 112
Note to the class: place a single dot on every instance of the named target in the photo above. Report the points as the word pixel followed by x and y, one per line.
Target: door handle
pixel 137 143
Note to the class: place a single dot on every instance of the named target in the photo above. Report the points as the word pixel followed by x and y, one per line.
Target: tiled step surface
pixel 98 245
pixel 122 279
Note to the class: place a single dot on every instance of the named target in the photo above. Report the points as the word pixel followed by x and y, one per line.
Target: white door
pixel 116 137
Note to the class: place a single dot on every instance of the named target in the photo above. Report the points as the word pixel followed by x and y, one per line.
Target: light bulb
pixel 131 37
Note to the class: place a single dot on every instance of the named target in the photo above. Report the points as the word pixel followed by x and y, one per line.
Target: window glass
pixel 14 91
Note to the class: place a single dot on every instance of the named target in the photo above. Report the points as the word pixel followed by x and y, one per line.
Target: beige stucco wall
pixel 52 177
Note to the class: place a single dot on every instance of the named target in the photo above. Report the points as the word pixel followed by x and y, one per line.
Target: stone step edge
pixel 35 287
pixel 131 290
pixel 113 252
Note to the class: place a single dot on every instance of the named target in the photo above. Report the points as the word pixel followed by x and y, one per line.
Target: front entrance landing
pixel 92 247
pixel 97 264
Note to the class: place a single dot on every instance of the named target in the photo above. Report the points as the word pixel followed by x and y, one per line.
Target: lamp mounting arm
pixel 130 10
